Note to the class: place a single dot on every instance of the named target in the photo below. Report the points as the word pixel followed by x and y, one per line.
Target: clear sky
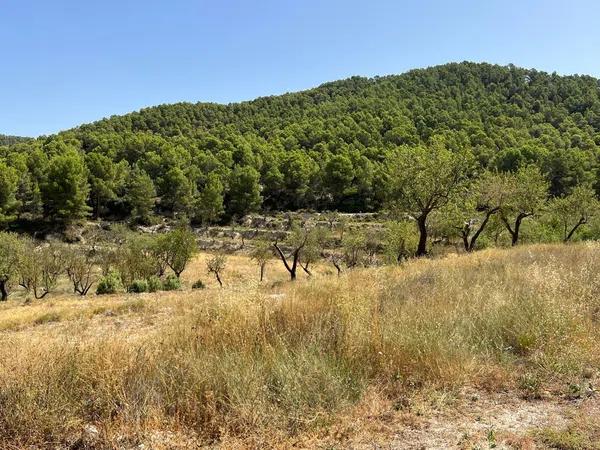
pixel 67 62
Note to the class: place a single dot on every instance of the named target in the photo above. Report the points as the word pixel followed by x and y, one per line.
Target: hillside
pixel 10 140
pixel 325 148
pixel 496 349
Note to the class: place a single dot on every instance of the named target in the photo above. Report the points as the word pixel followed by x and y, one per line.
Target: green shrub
pixel 154 284
pixel 138 286
pixel 171 283
pixel 110 284
pixel 199 284
pixel 531 384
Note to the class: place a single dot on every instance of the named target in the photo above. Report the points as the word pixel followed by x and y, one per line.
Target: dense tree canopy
pixel 326 148
pixel 66 189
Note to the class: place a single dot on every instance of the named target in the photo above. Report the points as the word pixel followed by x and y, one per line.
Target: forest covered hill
pixel 325 148
pixel 9 140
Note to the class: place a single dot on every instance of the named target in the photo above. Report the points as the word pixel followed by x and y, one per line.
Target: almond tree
pixel 216 265
pixel 470 212
pixel 296 242
pixel 575 210
pixel 80 267
pixel 40 267
pixel 526 192
pixel 353 247
pixel 178 247
pixel 312 251
pixel 262 253
pixel 423 180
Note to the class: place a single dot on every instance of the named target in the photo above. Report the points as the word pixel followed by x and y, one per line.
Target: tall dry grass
pixel 238 362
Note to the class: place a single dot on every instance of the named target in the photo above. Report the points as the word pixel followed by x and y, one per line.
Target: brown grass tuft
pixel 265 367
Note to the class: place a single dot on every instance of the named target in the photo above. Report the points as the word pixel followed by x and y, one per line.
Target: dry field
pixel 500 349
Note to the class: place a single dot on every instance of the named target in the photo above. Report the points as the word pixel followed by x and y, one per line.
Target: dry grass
pixel 267 367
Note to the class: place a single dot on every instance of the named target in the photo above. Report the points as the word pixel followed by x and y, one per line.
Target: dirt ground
pixel 478 420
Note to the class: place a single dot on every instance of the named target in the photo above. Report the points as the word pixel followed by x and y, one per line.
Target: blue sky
pixel 67 62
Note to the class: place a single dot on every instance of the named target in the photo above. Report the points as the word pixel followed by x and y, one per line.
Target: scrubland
pixel 324 362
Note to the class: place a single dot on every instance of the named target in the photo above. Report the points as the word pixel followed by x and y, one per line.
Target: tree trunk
pixel 219 279
pixel 262 272
pixel 295 264
pixel 574 229
pixel 465 237
pixel 96 212
pixel 3 291
pixel 514 232
pixel 291 269
pixel 86 289
pixel 38 296
pixel 480 229
pixel 305 268
pixel 337 267
pixel 422 224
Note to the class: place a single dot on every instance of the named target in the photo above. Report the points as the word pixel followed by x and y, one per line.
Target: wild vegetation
pixel 269 368
pixel 441 162
pixel 137 264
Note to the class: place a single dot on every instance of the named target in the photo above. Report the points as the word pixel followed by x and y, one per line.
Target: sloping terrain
pixel 326 148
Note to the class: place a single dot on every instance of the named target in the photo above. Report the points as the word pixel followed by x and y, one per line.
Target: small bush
pixel 171 283
pixel 531 385
pixel 154 284
pixel 110 284
pixel 138 286
pixel 199 284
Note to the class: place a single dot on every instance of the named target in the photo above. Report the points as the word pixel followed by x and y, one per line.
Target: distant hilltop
pixel 10 140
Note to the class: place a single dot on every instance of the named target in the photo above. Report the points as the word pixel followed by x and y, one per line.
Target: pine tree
pixel 209 205
pixel 8 188
pixel 244 191
pixel 140 195
pixel 65 191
